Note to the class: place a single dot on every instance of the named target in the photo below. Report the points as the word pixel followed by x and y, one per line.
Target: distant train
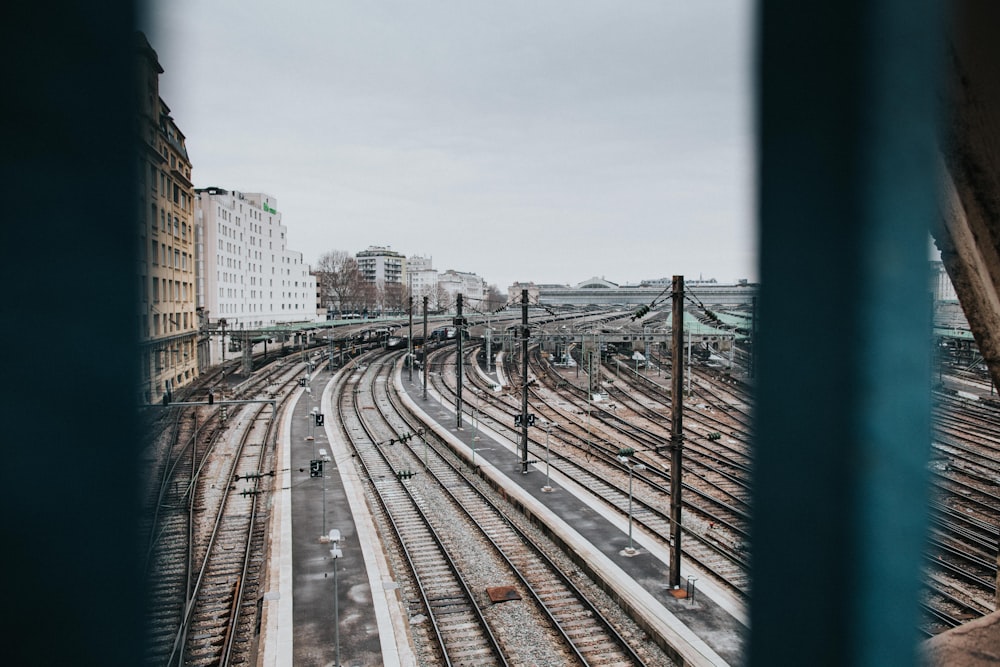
pixel 442 334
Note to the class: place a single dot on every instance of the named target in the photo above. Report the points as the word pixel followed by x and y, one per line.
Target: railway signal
pixel 316 468
pixel 319 419
pixel 519 420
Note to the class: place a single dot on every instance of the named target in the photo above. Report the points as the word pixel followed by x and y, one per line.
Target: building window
pixel 155 254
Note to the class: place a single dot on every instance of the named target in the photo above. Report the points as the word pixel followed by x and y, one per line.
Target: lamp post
pixel 489 346
pixel 326 459
pixel 645 340
pixel 336 553
pixel 548 427
pixel 636 466
pixel 475 417
pixel 312 422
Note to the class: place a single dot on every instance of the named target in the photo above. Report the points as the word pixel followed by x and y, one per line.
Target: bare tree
pixel 394 297
pixel 442 299
pixel 340 280
pixel 494 298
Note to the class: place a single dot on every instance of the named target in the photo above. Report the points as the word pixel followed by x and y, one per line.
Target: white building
pixel 941 285
pixel 469 285
pixel 422 279
pixel 247 275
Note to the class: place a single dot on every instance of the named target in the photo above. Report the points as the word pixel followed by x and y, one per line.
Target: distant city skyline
pixel 522 142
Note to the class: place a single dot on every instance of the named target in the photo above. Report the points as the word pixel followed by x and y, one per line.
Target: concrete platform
pixel 298 624
pixel 708 629
pixel 298 612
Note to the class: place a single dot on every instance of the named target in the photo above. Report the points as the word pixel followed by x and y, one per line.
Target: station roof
pixel 952 332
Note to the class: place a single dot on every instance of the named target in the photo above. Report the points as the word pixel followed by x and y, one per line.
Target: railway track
pixel 206 535
pixel 591 458
pixel 456 629
pixel 491 552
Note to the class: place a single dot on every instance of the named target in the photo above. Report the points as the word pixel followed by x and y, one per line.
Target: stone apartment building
pixel 167 323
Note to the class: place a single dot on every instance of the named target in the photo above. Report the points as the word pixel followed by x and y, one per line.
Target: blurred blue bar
pixel 848 116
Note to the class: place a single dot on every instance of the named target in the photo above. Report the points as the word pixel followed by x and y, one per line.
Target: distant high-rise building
pixel 167 323
pixel 381 265
pixel 385 269
pixel 248 277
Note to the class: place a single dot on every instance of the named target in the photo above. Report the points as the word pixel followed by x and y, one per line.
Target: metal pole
pixel 461 362
pixel 475 420
pixel 676 429
pixel 489 346
pixel 423 346
pixel 547 488
pixel 336 612
pixel 409 340
pixel 581 356
pixel 689 364
pixel 630 549
pixel 524 382
pixel 589 395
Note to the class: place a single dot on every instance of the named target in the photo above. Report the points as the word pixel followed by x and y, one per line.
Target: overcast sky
pixel 521 140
